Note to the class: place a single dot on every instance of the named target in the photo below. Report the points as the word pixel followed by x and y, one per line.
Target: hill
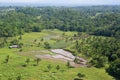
pixel 22 64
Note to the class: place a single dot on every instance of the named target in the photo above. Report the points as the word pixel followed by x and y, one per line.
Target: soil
pixel 60 54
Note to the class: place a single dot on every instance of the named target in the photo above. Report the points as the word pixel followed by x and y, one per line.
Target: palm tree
pixel 7 59
pixel 80 76
pixel 38 60
pixel 27 60
pixel 68 64
pixel 57 67
pixel 49 66
pixel 18 77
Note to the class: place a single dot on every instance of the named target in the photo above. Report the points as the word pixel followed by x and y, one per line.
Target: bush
pixel 99 61
pixel 24 65
pixel 80 75
pixel 47 45
pixel 78 79
pixel 18 77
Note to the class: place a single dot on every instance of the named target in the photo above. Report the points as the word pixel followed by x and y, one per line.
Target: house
pixel 14 46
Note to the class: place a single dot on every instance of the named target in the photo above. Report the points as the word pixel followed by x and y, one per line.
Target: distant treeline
pixel 97 20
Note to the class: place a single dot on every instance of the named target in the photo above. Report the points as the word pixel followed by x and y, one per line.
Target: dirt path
pixel 60 54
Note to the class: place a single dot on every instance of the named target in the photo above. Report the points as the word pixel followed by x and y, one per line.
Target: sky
pixel 73 2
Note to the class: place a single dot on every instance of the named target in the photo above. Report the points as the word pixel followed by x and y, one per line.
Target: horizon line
pixel 50 4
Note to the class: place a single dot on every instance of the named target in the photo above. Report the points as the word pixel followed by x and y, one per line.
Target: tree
pixel 20 45
pixel 113 57
pixel 20 37
pixel 27 60
pixel 36 29
pixel 114 69
pixel 68 64
pixel 38 60
pixel 99 61
pixel 7 59
pixel 49 67
pixel 19 77
pixel 57 67
pixel 14 42
pixel 2 44
pixel 76 60
pixel 47 45
pixel 80 76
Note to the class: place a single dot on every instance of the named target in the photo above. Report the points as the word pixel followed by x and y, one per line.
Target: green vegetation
pixel 23 65
pixel 93 20
pixel 14 69
pixel 114 69
pixel 89 32
pixel 101 51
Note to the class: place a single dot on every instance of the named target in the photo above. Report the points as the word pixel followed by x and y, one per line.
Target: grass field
pixel 57 39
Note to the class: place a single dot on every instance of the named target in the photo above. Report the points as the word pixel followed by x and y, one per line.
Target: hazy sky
pixel 89 2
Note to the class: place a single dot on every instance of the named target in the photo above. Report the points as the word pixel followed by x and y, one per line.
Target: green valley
pixel 60 43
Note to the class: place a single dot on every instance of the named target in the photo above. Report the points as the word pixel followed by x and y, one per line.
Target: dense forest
pixel 103 21
pixel 94 20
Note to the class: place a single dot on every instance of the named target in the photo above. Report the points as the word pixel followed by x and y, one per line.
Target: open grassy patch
pixel 14 68
pixel 18 66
